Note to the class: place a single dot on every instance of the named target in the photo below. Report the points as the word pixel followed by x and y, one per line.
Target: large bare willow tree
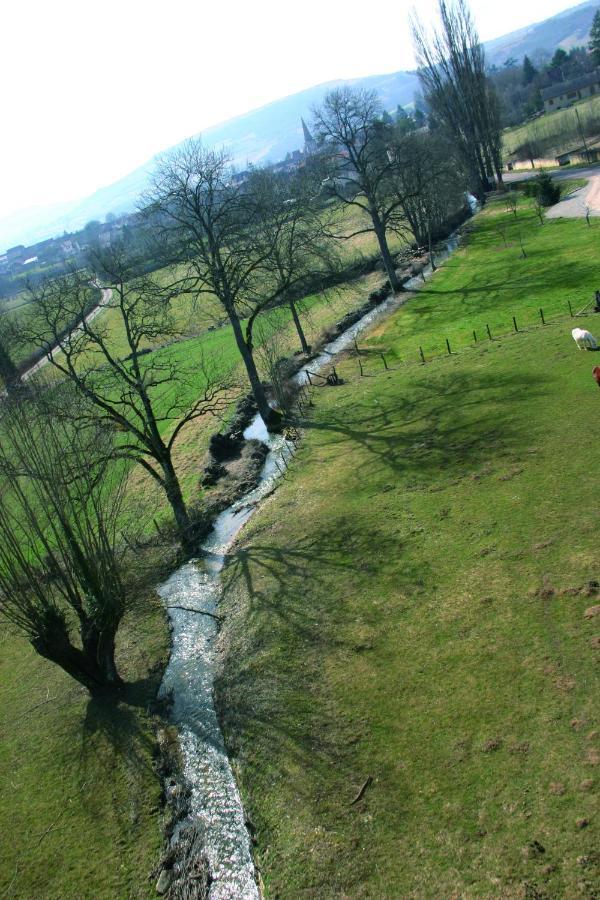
pixel 452 72
pixel 60 562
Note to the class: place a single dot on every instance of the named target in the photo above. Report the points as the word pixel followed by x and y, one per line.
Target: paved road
pixel 574 206
pixel 557 174
pixel 105 299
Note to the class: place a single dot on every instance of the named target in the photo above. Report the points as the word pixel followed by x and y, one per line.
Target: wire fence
pixel 373 361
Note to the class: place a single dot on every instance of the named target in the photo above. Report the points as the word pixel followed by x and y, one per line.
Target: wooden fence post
pixel 542 316
pixel 515 324
pixel 489 332
pixel 448 346
pixel 422 354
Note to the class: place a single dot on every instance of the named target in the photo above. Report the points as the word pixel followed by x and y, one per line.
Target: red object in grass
pixel 596 374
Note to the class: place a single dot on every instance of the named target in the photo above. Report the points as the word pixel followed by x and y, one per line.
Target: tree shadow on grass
pixel 302 593
pixel 450 422
pixel 301 606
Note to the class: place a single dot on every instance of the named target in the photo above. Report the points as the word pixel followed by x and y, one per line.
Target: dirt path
pixel 576 205
pixel 104 300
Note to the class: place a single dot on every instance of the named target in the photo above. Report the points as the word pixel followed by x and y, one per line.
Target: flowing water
pixel 188 594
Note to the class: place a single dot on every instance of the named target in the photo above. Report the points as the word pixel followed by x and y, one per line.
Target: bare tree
pixel 60 564
pixel 253 242
pixel 431 191
pixel 149 395
pixel 288 219
pixel 9 374
pixel 362 173
pixel 452 72
pixel 512 202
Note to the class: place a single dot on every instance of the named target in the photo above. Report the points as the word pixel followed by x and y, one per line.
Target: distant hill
pixel 567 29
pixel 265 134
pixel 268 133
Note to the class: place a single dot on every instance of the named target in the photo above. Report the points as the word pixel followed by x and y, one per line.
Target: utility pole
pixel 585 146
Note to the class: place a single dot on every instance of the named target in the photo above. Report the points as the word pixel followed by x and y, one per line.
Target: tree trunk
pixel 299 329
pixel 8 371
pixel 177 503
pixel 85 669
pixel 99 645
pixel 270 417
pixel 386 256
pixel 431 259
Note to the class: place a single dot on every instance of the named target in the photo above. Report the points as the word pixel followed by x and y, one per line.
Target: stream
pixel 215 803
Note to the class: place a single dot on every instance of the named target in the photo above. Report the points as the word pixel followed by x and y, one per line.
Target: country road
pixel 574 206
pixel 105 300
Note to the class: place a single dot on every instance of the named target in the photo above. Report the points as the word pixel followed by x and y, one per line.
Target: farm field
pixel 555 132
pixel 409 677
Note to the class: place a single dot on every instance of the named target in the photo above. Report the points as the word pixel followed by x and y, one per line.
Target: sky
pixel 90 90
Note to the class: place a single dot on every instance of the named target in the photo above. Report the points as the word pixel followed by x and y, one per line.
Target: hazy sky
pixel 90 90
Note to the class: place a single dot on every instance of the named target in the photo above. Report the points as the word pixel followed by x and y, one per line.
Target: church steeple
pixel 310 144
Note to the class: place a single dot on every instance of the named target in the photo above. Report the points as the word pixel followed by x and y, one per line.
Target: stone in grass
pixel 582 823
pixel 491 745
pixel 595 642
pixel 586 785
pixel 557 788
pixel 164 881
pixel 592 611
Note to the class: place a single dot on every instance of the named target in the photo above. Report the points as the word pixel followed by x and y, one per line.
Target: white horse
pixel 584 339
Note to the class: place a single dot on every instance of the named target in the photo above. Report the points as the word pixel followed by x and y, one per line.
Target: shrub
pixel 544 189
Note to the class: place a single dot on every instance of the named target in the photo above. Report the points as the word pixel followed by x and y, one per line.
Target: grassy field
pixel 81 806
pixel 320 311
pixel 193 316
pixel 407 612
pixel 555 132
pixel 80 798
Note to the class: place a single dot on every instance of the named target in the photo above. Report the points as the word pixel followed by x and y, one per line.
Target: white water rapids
pixel 215 802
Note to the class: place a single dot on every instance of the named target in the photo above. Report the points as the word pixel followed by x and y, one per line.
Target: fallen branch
pixel 201 612
pixel 362 790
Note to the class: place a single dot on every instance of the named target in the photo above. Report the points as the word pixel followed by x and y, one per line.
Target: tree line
pixel 250 245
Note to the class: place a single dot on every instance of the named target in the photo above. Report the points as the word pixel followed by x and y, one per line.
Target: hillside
pixel 269 132
pixel 567 29
pixel 264 134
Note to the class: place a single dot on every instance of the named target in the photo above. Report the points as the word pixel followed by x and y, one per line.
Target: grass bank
pixel 407 613
pixel 81 800
pixel 81 806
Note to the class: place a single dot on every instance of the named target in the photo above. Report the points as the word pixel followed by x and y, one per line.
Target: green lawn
pixel 409 605
pixel 81 809
pixel 488 281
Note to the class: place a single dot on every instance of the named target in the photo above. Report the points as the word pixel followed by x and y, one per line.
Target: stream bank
pixel 213 817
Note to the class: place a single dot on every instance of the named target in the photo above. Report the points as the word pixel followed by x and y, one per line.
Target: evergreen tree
pixel 559 59
pixel 529 71
pixel 594 44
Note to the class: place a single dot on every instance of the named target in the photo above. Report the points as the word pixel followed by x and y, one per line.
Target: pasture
pixel 409 684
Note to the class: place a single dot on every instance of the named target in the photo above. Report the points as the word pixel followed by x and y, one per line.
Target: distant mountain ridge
pixel 566 29
pixel 268 133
